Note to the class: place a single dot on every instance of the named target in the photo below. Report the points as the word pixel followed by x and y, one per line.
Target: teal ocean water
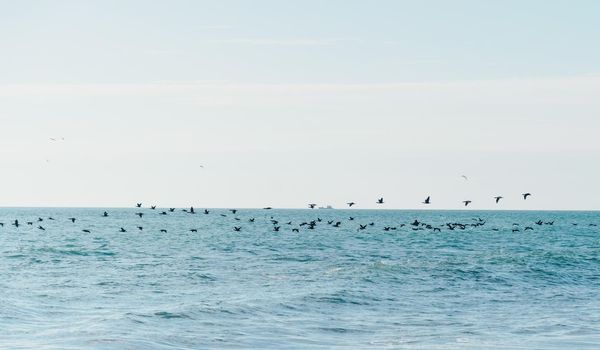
pixel 488 283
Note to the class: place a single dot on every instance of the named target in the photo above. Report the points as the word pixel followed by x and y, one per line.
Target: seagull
pixel 163 230
pixel 72 220
pixel 194 230
pixel 380 200
pixel 41 228
pixel 312 205
pixel 237 228
pixel 123 230
pixel 171 209
pixel 105 214
pixel 525 195
pixel 140 228
pixel 233 211
pixel 192 210
pixel 86 231
pixel 139 205
pixel 427 200
pixel 153 207
pixel 276 228
pixel 498 198
pixel 467 203
pixel 350 204
pixel 206 211
pixel 139 214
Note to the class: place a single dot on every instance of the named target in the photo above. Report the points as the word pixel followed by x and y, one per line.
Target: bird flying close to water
pixel 427 200
pixel 525 195
pixel 467 202
pixel 498 198
pixel 380 200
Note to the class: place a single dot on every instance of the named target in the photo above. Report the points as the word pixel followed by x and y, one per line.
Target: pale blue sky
pixel 290 102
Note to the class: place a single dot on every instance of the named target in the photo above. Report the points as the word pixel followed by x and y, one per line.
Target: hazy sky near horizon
pixel 284 103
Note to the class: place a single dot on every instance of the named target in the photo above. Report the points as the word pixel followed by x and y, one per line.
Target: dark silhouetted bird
pixel 467 203
pixel 498 198
pixel 139 205
pixel 72 220
pixel 312 205
pixel 350 204
pixel 525 195
pixel 427 200
pixel 123 230
pixel 237 228
pixel 380 200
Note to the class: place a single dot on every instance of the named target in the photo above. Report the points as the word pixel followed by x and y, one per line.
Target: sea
pixel 496 280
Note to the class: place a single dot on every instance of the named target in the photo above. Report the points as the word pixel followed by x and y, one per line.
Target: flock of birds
pixel 277 224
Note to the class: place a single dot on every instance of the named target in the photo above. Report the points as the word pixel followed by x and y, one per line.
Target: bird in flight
pixel 464 177
pixel 312 205
pixel 380 200
pixel 498 198
pixel 427 200
pixel 350 204
pixel 467 202
pixel 525 195
pixel 139 205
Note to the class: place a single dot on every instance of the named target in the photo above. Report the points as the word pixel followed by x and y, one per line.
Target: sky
pixel 284 103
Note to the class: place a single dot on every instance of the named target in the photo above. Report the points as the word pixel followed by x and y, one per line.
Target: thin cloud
pixel 283 41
